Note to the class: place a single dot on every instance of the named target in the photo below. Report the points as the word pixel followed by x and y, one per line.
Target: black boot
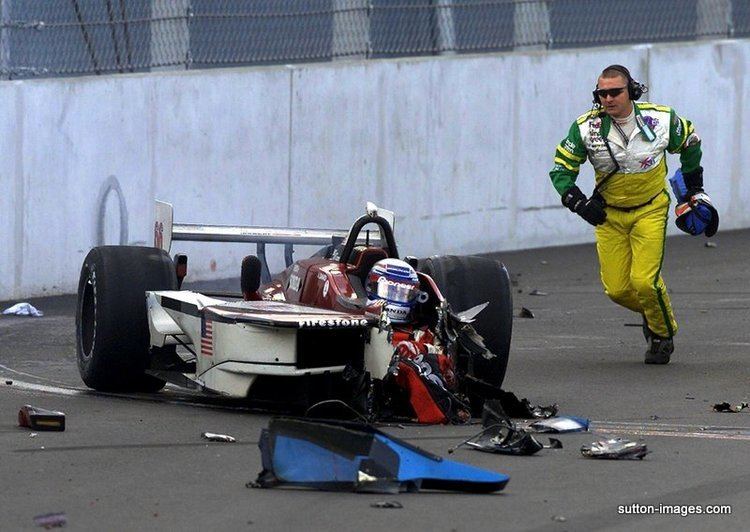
pixel 646 331
pixel 659 350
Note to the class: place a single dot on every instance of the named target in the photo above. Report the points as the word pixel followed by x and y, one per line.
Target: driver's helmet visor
pixel 396 291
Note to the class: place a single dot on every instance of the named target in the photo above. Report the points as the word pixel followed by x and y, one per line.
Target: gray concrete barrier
pixel 459 147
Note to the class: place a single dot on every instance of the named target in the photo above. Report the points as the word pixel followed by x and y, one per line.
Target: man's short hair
pixel 614 71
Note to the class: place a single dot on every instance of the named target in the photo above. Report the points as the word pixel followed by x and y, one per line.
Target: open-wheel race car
pixel 324 328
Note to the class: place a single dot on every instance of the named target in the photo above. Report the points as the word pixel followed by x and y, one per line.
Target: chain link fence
pixel 76 37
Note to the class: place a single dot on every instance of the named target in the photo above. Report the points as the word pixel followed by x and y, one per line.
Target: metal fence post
pixel 446 29
pixel 351 29
pixel 714 19
pixel 170 36
pixel 4 40
pixel 531 27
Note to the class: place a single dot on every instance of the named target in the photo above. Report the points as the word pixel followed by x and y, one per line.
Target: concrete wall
pixel 459 147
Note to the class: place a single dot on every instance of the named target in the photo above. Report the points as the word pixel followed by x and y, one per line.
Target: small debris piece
pixel 543 262
pixel 505 439
pixel 32 435
pixel 559 518
pixel 561 424
pixel 616 449
pixel 554 443
pixel 53 520
pixel 727 407
pixel 9 382
pixel 210 436
pixel 41 419
pixel 710 244
pixel 525 313
pixel 536 292
pixel 23 309
pixel 387 504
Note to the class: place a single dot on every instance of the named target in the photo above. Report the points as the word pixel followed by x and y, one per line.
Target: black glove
pixel 590 209
pixel 694 181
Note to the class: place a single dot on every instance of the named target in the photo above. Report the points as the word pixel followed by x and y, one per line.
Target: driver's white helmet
pixel 396 283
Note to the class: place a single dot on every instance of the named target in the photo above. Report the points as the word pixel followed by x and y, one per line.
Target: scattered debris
pixel 387 504
pixel 616 449
pixel 525 313
pixel 53 520
pixel 500 435
pixel 23 309
pixel 559 518
pixel 507 403
pixel 338 455
pixel 536 292
pixel 210 436
pixel 561 424
pixel 505 439
pixel 710 244
pixel 41 419
pixel 32 434
pixel 727 407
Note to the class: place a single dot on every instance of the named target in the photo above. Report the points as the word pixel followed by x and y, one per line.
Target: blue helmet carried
pixel 694 214
pixel 697 215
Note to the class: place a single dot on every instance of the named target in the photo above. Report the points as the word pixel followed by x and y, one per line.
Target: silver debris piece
pixel 210 436
pixel 23 309
pixel 616 449
pixel 561 424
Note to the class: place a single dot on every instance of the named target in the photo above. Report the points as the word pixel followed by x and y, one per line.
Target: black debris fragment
pixel 500 435
pixel 615 449
pixel 41 419
pixel 508 403
pixel 554 443
pixel 727 407
pixel 536 292
pixel 387 504
pixel 525 313
pixel 9 382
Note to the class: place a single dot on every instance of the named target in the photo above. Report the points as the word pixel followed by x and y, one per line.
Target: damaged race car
pixel 424 339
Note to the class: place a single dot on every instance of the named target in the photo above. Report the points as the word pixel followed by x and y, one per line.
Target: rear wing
pixel 166 231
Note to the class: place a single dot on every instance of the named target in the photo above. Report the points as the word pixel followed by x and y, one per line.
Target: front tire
pixel 112 333
pixel 467 281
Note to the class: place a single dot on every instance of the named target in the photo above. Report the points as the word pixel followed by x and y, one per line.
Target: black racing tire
pixel 112 333
pixel 467 281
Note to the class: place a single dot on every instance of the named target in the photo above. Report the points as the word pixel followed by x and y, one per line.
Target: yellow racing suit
pixel 630 243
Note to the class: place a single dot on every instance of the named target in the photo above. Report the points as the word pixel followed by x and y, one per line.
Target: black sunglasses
pixel 601 93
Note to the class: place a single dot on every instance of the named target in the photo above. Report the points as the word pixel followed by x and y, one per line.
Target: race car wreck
pixel 314 332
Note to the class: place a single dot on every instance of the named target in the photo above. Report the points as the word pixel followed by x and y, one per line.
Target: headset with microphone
pixel 636 89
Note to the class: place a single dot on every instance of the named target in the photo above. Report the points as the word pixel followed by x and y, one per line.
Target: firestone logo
pixel 334 322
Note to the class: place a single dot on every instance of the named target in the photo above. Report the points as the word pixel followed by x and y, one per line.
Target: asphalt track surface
pixel 137 462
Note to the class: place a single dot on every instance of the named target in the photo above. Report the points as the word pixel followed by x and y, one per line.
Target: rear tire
pixel 467 281
pixel 112 333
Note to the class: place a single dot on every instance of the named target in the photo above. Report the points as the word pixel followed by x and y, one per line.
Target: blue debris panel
pixel 346 456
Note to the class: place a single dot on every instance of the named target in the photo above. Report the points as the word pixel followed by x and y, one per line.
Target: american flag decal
pixel 207 337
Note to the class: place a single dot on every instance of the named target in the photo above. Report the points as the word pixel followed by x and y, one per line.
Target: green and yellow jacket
pixel 642 160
